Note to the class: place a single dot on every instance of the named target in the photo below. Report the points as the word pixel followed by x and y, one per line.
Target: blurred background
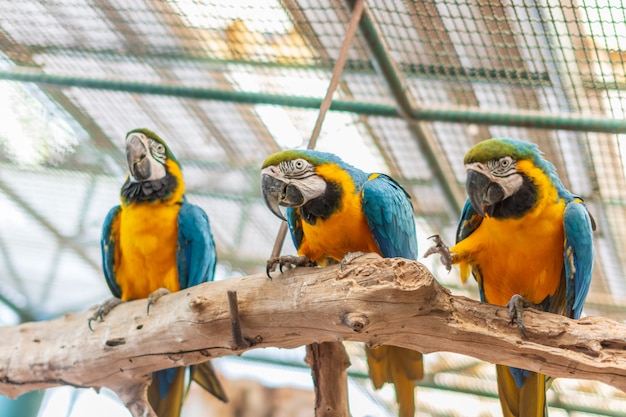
pixel 226 83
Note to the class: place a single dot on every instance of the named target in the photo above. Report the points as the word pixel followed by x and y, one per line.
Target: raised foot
pixel 154 297
pixel 102 310
pixel 443 251
pixel 287 260
pixel 516 306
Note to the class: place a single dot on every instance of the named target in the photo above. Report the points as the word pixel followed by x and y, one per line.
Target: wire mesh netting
pixel 226 83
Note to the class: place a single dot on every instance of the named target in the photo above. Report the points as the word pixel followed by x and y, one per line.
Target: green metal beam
pixel 520 118
pixel 243 97
pixel 352 66
pixel 437 160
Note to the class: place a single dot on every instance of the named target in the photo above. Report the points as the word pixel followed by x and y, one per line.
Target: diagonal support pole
pixel 329 361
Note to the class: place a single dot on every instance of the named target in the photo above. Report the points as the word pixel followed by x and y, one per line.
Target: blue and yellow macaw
pixel 156 240
pixel 333 209
pixel 527 240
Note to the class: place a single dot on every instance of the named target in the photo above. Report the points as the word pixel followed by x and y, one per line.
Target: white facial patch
pixel 510 184
pixel 310 184
pixel 157 170
pixel 311 187
pixel 504 175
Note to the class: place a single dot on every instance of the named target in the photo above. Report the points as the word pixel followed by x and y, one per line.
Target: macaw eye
pixel 506 162
pixel 502 167
pixel 157 148
pixel 294 168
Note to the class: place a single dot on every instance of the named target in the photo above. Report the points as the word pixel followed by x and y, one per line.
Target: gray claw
pixel 286 261
pixel 516 306
pixel 102 310
pixel 443 251
pixel 154 297
pixel 516 313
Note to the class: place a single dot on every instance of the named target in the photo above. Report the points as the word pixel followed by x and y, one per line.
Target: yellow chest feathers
pixel 148 236
pixel 148 239
pixel 344 231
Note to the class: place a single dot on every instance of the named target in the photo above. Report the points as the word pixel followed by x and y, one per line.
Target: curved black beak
pixel 278 193
pixel 482 192
pixel 136 156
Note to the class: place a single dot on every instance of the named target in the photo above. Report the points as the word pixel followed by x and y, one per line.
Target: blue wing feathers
pixel 579 248
pixel 165 378
pixel 195 256
pixel 389 213
pixel 519 375
pixel 294 221
pixel 469 221
pixel 108 240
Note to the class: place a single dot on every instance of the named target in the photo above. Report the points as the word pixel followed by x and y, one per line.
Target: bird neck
pixel 169 189
pixel 339 186
pixel 324 206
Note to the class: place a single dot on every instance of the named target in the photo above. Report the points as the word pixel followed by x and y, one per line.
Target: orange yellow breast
pixel 516 257
pixel 345 231
pixel 148 239
pixel 519 256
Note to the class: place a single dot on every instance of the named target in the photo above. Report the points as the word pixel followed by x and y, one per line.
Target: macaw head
pixel 304 178
pixel 153 169
pixel 146 154
pixel 499 182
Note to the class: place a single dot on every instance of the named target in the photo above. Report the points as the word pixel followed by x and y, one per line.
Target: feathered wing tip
pixel 165 393
pixel 204 375
pixel 399 366
pixel 527 400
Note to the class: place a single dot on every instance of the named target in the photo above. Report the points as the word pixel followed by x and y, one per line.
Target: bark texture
pixel 375 301
pixel 329 364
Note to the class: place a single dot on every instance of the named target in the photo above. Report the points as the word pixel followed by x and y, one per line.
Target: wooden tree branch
pixel 329 364
pixel 376 301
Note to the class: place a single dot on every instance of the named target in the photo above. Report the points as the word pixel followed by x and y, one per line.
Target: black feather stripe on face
pixel 518 204
pixel 323 207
